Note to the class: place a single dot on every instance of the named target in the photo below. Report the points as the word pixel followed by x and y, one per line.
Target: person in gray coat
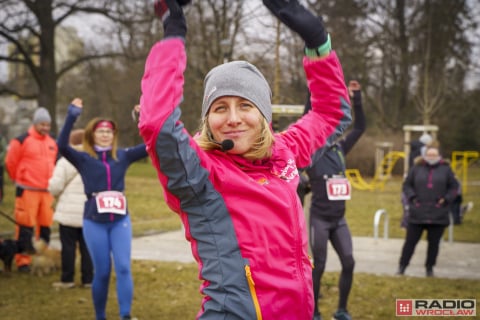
pixel 430 188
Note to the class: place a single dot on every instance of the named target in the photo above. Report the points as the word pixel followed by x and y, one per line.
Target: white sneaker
pixel 63 285
pixel 466 208
pixel 469 206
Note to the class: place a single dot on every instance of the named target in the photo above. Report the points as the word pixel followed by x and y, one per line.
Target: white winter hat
pixel 426 139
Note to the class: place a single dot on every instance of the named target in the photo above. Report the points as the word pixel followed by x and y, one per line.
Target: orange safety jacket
pixel 31 159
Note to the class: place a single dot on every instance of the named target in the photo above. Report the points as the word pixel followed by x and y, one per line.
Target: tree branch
pixel 83 59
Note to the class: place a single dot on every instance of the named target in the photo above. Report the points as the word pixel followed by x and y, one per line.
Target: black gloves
pixel 299 19
pixel 171 13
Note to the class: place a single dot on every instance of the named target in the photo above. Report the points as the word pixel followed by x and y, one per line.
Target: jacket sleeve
pixel 60 177
pixel 12 158
pixel 359 124
pixel 330 114
pixel 172 150
pixel 452 186
pixel 64 147
pixel 136 153
pixel 407 187
pixel 162 87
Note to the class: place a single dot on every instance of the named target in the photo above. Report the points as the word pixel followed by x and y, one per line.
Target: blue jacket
pixel 98 174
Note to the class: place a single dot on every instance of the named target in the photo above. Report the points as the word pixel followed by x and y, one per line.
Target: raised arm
pixel 359 123
pixel 330 114
pixel 74 110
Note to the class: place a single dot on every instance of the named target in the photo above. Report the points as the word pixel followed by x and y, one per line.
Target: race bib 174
pixel 111 202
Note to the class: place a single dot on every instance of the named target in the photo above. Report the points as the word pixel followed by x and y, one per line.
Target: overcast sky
pixel 87 28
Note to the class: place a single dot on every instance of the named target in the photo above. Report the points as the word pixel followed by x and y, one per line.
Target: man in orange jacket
pixel 30 161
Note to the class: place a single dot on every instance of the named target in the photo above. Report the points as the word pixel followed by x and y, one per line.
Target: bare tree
pixel 214 29
pixel 28 29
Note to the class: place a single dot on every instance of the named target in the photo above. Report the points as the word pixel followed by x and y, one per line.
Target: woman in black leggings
pixel 330 189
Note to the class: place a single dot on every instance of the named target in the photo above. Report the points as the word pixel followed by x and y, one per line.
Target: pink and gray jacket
pixel 243 218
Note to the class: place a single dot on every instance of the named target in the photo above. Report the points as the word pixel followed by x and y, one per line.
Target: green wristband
pixel 321 51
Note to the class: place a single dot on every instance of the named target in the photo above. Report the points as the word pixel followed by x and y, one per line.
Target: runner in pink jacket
pixel 237 198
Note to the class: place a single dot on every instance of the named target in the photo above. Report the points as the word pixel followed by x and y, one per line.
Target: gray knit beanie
pixel 41 115
pixel 238 78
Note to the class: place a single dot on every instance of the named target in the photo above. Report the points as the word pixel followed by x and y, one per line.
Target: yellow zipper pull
pixel 251 285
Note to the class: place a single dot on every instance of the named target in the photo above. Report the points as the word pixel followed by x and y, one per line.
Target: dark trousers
pixel 69 237
pixel 337 231
pixel 414 233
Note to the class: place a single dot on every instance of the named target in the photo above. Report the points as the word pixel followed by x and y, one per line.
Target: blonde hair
pixel 88 140
pixel 261 148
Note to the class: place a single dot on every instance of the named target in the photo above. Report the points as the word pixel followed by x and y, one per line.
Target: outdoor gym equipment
pixel 382 173
pixel 461 160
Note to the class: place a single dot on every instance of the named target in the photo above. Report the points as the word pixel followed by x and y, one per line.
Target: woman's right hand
pixel 77 102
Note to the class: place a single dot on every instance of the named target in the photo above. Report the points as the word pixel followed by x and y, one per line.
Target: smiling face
pixel 42 128
pixel 237 119
pixel 103 137
pixel 432 155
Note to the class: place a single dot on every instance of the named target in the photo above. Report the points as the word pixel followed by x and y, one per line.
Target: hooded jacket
pixel 424 186
pixel 31 159
pixel 243 218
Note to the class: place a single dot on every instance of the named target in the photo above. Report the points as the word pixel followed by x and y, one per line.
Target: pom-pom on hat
pixel 41 115
pixel 238 78
pixel 425 138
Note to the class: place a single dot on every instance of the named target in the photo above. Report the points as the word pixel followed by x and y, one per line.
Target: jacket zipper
pixel 109 181
pixel 253 292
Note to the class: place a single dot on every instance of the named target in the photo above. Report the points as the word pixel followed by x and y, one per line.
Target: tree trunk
pixel 48 78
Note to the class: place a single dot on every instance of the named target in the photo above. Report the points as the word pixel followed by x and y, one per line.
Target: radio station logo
pixel 436 307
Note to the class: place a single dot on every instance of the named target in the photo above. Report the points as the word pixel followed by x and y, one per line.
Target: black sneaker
pixel 429 272
pixel 401 270
pixel 24 269
pixel 342 315
pixel 317 316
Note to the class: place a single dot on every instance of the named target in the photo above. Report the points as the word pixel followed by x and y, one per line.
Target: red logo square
pixel 404 308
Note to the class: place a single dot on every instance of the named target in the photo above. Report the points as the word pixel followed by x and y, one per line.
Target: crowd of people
pixel 228 182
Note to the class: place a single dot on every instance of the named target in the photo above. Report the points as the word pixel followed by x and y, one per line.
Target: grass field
pixel 170 290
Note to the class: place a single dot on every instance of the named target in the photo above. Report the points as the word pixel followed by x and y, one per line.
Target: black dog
pixel 8 249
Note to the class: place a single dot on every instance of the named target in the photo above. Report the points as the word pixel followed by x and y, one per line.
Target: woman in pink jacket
pixel 234 184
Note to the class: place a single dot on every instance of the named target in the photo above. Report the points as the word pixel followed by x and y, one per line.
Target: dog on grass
pixel 46 259
pixel 8 249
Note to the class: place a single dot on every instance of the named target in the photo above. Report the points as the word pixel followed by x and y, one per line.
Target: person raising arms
pixel 234 183
pixel 107 228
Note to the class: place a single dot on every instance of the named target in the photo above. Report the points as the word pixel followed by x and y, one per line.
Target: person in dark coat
pixel 430 188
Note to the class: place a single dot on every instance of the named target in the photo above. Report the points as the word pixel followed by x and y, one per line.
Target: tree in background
pixel 28 28
pixel 412 57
